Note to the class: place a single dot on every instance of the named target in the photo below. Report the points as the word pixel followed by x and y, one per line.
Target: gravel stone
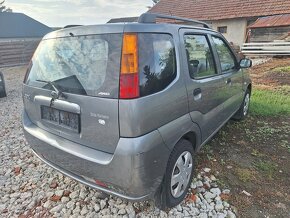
pixel 97 208
pixel 74 194
pixel 56 209
pixel 230 214
pixel 59 192
pixel 215 191
pixel 70 205
pixel 209 195
pixel 219 207
pixel 207 170
pixel 103 204
pixel 122 212
pixel 47 204
pixel 226 191
pixel 64 200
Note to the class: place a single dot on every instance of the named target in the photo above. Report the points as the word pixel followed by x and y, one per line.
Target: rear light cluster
pixel 129 76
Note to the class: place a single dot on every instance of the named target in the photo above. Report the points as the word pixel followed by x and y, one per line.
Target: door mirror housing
pixel 245 63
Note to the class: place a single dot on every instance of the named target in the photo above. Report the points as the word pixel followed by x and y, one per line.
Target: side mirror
pixel 2 86
pixel 245 63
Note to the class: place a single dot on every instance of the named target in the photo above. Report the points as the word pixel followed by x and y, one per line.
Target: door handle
pixel 229 81
pixel 197 94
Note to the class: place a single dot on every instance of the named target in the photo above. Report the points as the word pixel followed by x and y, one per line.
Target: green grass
pixel 269 103
pixel 245 175
pixel 266 167
pixel 282 69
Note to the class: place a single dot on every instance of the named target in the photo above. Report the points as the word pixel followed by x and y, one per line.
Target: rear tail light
pixel 129 75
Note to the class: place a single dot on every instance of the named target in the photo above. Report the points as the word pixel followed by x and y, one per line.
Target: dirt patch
pixel 265 76
pixel 253 156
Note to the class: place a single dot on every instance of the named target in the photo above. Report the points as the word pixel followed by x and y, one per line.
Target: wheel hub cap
pixel 181 174
pixel 246 104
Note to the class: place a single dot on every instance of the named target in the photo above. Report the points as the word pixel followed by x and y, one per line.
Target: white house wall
pixel 236 29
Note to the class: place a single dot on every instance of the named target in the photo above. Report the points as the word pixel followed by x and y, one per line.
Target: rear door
pixel 233 76
pixel 86 70
pixel 204 84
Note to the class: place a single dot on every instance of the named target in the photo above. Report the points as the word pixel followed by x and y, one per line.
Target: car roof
pixel 121 28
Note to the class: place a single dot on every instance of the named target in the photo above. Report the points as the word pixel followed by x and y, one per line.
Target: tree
pixel 4 8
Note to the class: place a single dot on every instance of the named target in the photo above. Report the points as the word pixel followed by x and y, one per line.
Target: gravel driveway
pixel 30 188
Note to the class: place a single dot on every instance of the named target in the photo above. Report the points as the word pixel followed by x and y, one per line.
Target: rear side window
pixel 226 57
pixel 157 62
pixel 84 65
pixel 199 56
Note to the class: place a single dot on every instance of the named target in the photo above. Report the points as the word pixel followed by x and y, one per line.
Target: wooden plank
pixel 274 48
pixel 266 52
pixel 266 43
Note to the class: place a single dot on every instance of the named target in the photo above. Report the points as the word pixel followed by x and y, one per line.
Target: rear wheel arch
pixel 192 138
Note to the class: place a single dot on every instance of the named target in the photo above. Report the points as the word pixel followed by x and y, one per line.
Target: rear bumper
pixel 134 172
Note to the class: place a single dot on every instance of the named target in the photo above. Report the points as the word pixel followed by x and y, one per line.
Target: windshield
pixel 84 65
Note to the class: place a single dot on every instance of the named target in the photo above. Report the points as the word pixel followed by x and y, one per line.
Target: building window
pixel 222 29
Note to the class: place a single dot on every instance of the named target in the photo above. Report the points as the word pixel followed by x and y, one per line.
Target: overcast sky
pixel 57 13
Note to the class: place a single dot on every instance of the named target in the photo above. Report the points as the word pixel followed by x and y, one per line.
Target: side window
pixel 199 56
pixel 157 62
pixel 226 57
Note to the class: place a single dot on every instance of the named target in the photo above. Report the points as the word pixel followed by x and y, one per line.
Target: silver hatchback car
pixel 123 108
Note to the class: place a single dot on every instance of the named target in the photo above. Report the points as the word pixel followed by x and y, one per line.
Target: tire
pixel 2 86
pixel 170 194
pixel 244 108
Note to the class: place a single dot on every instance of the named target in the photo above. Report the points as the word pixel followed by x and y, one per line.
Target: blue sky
pixel 63 12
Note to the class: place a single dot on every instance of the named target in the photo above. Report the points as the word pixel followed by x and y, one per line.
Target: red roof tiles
pixel 221 9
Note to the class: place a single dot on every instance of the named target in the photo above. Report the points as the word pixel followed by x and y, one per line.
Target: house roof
pixel 123 20
pixel 18 25
pixel 272 21
pixel 221 9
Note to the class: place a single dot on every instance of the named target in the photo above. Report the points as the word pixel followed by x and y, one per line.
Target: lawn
pixel 271 94
pixel 270 103
pixel 253 156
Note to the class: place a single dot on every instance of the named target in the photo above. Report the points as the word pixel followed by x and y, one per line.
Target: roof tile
pixel 221 9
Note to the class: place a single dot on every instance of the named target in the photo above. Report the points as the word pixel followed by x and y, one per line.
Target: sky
pixel 58 13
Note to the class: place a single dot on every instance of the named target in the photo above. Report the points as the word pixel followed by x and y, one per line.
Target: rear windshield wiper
pixel 57 93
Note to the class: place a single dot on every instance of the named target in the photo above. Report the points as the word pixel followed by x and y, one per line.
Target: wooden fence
pixel 266 49
pixel 15 52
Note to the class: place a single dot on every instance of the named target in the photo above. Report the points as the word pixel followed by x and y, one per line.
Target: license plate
pixel 61 118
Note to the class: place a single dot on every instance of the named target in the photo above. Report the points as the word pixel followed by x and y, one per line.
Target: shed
pixel 270 28
pixel 18 25
pixel 19 37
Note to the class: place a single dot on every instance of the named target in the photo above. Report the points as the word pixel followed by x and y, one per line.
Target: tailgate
pixel 85 70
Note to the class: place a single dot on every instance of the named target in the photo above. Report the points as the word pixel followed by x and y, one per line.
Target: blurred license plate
pixel 62 118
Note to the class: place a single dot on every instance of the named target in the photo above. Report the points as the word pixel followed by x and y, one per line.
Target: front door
pixel 233 76
pixel 204 84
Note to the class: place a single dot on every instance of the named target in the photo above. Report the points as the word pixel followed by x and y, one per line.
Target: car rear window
pixel 157 62
pixel 84 65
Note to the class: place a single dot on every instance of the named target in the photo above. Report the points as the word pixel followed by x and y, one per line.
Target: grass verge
pixel 269 103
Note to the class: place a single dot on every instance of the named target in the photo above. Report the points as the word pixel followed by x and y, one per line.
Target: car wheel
pixel 2 86
pixel 244 109
pixel 178 176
